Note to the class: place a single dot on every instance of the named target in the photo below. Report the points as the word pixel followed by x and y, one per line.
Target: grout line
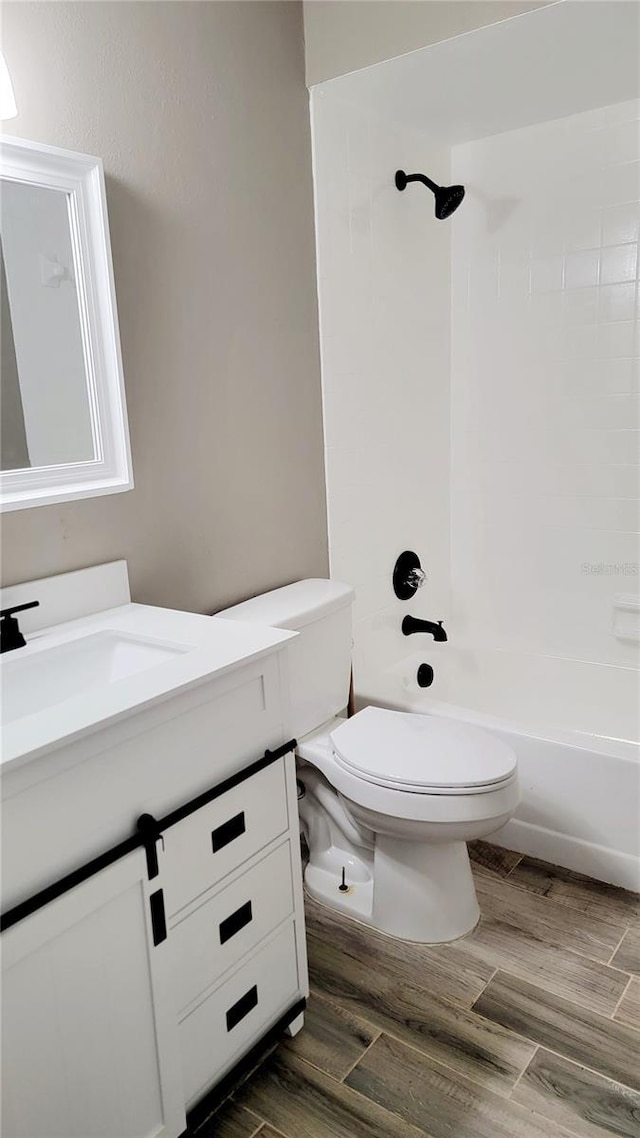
pixel 508 874
pixel 361 1014
pixel 545 944
pixel 563 1128
pixel 617 948
pixel 361 1057
pixel 529 977
pixel 620 971
pixel 332 1001
pixel 543 940
pixel 262 1124
pixel 485 986
pixel 428 1055
pixel 561 1055
pixel 525 1068
pixel 472 1078
pixel 392 1114
pixel 492 1090
pixel 613 920
pixel 592 1070
pixel 626 989
pixel 440 1062
pixel 315 1067
pixel 260 1121
pixel 415 1046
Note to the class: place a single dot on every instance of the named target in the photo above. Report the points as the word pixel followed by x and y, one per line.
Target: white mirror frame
pixel 82 178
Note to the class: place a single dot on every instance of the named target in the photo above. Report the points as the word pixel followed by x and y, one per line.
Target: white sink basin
pixel 52 675
pixel 93 658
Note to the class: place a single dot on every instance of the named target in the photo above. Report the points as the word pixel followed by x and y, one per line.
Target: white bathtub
pixel 575 729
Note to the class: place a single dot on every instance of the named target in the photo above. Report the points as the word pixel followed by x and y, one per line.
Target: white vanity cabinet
pixel 88 1042
pixel 142 963
pixel 234 899
pixel 118 1015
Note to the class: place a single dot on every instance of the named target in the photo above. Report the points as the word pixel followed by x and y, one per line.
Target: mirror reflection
pixel 46 410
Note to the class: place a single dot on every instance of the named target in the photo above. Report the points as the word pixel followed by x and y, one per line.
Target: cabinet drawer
pixel 227 926
pixel 233 1017
pixel 216 839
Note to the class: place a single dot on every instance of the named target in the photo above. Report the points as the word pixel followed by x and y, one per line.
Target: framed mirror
pixel 63 419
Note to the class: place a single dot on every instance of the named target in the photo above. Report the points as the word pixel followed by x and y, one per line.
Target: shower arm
pixel 422 178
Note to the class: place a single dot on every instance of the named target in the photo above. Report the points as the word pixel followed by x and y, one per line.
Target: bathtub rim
pixel 610 745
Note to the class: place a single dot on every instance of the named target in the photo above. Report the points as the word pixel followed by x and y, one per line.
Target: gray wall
pixel 199 111
pixel 345 35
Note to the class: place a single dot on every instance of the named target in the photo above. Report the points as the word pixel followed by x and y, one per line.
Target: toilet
pixel 388 799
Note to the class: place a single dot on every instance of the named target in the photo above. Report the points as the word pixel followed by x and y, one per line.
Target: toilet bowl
pixel 390 801
pixel 390 798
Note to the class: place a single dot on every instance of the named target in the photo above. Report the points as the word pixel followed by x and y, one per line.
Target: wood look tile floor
pixel 527 1028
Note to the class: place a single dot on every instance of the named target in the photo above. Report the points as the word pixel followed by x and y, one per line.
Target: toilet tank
pixel 319 658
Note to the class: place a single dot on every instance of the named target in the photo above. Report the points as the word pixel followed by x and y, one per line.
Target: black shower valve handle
pixel 408 575
pixel 416 578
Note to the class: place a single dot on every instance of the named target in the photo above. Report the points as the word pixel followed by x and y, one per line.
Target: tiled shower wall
pixel 545 387
pixel 384 289
pixel 489 421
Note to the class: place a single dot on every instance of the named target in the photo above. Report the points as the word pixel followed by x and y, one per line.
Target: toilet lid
pixel 420 753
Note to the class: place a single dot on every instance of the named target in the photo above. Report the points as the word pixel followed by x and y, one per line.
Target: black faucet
pixel 411 624
pixel 10 634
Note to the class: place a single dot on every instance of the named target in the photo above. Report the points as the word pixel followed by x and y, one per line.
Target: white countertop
pixel 213 646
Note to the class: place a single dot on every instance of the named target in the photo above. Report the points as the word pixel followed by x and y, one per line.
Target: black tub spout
pixel 411 624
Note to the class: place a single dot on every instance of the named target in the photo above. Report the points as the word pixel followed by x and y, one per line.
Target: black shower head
pixel 448 198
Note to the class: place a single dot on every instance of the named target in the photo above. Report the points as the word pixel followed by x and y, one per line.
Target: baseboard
pixel 600 862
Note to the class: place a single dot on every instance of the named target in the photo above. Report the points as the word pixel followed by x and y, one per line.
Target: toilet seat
pixel 421 754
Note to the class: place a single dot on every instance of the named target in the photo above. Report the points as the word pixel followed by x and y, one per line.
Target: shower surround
pixel 480 386
pixel 544 388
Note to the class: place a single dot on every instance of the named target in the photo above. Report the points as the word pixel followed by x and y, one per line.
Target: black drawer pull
pixel 242 1008
pixel 228 832
pixel 236 921
pixel 158 919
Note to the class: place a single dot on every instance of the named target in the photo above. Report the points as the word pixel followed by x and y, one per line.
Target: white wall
pixel 383 267
pixel 46 325
pixel 545 386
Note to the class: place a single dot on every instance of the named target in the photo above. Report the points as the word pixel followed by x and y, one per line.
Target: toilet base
pixel 357 903
pixel 420 891
pixel 424 891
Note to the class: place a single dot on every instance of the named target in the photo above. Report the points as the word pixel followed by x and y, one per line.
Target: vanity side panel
pixel 297 875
